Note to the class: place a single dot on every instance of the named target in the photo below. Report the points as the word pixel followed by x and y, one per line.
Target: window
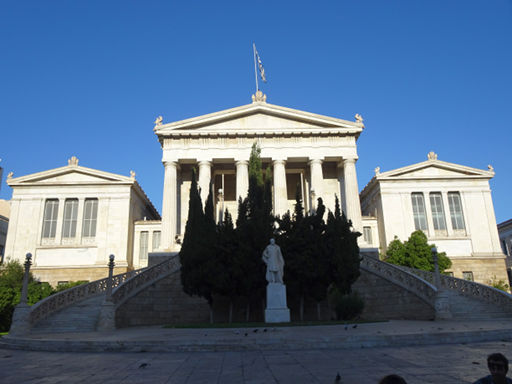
pixel 468 276
pixel 90 216
pixel 51 209
pixel 143 246
pixel 436 204
pixel 156 240
pixel 418 209
pixel 367 234
pixel 456 210
pixel 70 214
pixel 449 274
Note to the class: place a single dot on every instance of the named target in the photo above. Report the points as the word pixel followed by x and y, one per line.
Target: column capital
pixel 168 163
pixel 315 161
pixel 205 162
pixel 348 160
pixel 241 162
pixel 278 161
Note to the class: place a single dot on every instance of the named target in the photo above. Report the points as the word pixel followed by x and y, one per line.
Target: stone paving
pixel 455 363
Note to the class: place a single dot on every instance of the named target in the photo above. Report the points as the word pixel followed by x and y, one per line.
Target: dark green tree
pixel 342 250
pixel 201 272
pixel 255 226
pixel 416 252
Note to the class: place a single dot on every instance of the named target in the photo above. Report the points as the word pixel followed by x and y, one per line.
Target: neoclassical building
pixel 313 154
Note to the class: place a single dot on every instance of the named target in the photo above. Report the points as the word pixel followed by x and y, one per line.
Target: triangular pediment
pixel 71 174
pixel 258 116
pixel 435 169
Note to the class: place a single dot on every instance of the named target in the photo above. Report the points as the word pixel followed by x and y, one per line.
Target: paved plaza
pixel 455 363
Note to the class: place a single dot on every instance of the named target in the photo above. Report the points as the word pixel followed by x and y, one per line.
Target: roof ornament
pixel 259 97
pixel 432 155
pixel 73 161
pixel 9 175
pixel 358 118
pixel 490 168
pixel 377 171
pixel 158 121
pixel 132 174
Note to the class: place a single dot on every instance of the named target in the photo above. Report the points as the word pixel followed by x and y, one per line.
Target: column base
pixel 281 315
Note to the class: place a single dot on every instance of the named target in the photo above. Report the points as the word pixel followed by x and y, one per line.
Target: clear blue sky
pixel 88 78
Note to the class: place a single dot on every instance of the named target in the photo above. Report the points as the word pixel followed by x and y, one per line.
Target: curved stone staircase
pixel 80 309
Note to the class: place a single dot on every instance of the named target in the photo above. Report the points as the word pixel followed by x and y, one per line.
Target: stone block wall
pixel 387 301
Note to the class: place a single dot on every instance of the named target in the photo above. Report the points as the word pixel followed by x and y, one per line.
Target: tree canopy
pixel 415 252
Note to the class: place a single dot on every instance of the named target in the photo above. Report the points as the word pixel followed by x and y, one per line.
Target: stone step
pixel 80 317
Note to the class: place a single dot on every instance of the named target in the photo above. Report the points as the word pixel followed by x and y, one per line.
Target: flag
pixel 260 66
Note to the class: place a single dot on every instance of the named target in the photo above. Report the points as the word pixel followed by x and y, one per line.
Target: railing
pixel 468 288
pixel 73 295
pixel 136 283
pixel 419 286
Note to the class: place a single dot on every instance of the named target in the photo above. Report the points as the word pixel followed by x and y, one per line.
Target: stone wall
pixel 56 275
pixel 485 269
pixel 386 301
pixel 164 302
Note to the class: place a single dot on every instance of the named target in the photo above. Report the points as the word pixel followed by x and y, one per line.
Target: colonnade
pixel 346 175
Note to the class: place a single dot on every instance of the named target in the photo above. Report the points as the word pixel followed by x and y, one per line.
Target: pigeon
pixel 255 330
pixel 337 379
pixel 144 365
pixel 354 326
pixel 265 330
pixel 346 327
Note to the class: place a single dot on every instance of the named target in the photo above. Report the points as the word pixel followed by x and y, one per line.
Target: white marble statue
pixel 275 263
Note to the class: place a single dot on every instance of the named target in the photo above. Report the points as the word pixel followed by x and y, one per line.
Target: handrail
pixel 468 288
pixel 135 284
pixel 419 286
pixel 57 301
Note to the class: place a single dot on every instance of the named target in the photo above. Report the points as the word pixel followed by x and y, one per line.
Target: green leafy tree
pixel 11 280
pixel 416 252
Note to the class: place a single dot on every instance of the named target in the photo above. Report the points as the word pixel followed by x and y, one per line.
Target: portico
pixel 312 154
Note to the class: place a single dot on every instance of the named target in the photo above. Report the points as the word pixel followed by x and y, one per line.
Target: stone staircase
pixel 79 309
pixel 81 317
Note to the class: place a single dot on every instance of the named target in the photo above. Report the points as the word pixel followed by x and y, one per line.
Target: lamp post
pixel 437 275
pixel 111 265
pixel 24 287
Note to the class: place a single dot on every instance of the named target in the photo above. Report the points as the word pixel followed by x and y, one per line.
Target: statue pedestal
pixel 277 310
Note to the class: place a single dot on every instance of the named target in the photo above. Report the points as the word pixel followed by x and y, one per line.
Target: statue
pixel 158 121
pixel 358 118
pixel 273 258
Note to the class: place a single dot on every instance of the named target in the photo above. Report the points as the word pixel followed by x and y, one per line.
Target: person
pixel 392 379
pixel 498 367
pixel 273 258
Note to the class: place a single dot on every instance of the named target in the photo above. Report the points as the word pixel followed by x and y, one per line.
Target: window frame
pixel 90 222
pixel 49 229
pixel 143 246
pixel 69 224
pixel 437 211
pixel 456 211
pixel 418 216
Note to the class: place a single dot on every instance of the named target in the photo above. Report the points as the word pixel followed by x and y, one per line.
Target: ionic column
pixel 205 175
pixel 353 204
pixel 317 180
pixel 341 181
pixel 169 205
pixel 242 179
pixel 280 191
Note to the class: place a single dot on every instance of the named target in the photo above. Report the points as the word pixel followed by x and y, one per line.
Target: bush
pixel 347 307
pixel 499 284
pixel 71 284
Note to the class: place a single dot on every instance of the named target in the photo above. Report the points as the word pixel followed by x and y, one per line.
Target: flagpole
pixel 255 70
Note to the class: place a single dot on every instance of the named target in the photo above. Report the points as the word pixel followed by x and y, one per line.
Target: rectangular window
pixel 418 209
pixel 90 217
pixel 367 234
pixel 449 274
pixel 51 209
pixel 468 276
pixel 156 240
pixel 436 204
pixel 456 210
pixel 143 247
pixel 504 247
pixel 70 215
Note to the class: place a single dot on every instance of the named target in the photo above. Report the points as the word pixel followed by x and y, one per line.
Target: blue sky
pixel 88 78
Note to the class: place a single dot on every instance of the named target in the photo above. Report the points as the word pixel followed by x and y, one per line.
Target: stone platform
pixel 367 335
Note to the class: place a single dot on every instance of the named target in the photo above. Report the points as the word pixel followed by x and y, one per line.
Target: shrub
pixel 347 307
pixel 71 284
pixel 500 284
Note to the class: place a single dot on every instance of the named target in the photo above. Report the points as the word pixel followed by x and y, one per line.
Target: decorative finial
pixel 73 160
pixel 490 168
pixel 158 121
pixel 432 155
pixel 377 171
pixel 358 118
pixel 9 175
pixel 132 174
pixel 259 96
